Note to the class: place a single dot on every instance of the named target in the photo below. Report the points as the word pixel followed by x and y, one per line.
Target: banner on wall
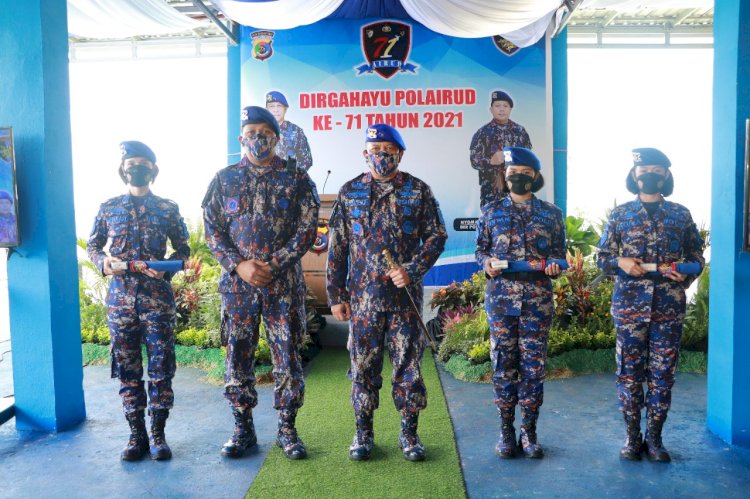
pixel 340 76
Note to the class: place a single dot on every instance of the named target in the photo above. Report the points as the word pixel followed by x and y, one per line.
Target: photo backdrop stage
pixel 341 75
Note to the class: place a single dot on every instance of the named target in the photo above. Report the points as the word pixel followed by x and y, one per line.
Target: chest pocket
pixel 670 232
pixel 283 194
pixel 235 203
pixel 633 237
pixel 117 225
pixel 409 206
pixel 358 209
pixel 541 235
pixel 500 226
pixel 155 231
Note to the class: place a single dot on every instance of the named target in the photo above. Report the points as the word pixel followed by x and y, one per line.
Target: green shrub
pixel 263 352
pixel 93 315
pixel 102 336
pixel 695 332
pixel 480 352
pixel 461 336
pixel 192 337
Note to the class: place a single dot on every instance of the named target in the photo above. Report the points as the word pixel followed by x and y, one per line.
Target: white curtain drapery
pixel 279 14
pixel 125 18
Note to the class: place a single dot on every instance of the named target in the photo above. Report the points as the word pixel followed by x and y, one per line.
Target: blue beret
pixel 500 95
pixel 384 133
pixel 6 195
pixel 650 156
pixel 253 114
pixel 275 96
pixel 520 156
pixel 135 149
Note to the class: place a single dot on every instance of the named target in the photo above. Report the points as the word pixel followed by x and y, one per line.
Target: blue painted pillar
pixel 560 118
pixel 729 341
pixel 42 275
pixel 234 105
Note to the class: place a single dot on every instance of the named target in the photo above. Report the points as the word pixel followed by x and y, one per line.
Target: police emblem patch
pixel 283 203
pixel 542 243
pixel 505 46
pixel 232 205
pixel 262 44
pixel 321 239
pixel 386 45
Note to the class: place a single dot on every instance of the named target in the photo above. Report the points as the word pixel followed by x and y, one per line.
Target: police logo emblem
pixel 262 48
pixel 321 239
pixel 636 157
pixel 508 156
pixel 386 45
pixel 232 205
pixel 505 46
pixel 372 133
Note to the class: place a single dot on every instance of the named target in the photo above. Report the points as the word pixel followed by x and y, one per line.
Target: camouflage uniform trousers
pixel 284 321
pixel 141 309
pixel 370 333
pixel 518 352
pixel 646 352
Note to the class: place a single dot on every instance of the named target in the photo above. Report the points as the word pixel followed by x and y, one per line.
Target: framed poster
pixel 8 199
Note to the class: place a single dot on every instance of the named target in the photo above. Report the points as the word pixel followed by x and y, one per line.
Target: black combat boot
pixel 158 443
pixel 244 433
pixel 634 440
pixel 364 439
pixel 527 439
pixel 287 437
pixel 506 446
pixel 137 445
pixel 408 439
pixel 652 443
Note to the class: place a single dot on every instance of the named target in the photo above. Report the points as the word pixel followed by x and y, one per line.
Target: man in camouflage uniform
pixel 383 209
pixel 648 310
pixel 486 150
pixel 292 141
pixel 519 305
pixel 260 218
pixel 140 305
pixel 8 232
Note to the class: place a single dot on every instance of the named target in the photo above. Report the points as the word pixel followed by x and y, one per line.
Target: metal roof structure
pixel 640 27
pixel 588 27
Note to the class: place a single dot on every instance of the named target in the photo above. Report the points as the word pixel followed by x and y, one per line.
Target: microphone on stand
pixel 325 182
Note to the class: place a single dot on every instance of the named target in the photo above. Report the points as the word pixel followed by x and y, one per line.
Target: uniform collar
pixel 639 203
pixel 507 202
pixel 276 165
pixel 398 180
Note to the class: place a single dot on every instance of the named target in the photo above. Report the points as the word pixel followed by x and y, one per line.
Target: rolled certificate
pixel 157 265
pixel 690 268
pixel 529 265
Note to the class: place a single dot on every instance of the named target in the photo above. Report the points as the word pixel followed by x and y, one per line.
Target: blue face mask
pixel 259 146
pixel 383 163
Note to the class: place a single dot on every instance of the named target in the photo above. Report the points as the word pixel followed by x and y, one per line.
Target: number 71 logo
pixel 386 45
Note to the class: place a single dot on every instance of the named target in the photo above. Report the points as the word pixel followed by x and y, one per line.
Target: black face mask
pixel 139 175
pixel 650 183
pixel 520 183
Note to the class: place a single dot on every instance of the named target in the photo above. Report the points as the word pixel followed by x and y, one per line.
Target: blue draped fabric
pixel 356 9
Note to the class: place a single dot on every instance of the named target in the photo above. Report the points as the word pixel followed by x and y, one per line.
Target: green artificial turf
pixel 326 424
